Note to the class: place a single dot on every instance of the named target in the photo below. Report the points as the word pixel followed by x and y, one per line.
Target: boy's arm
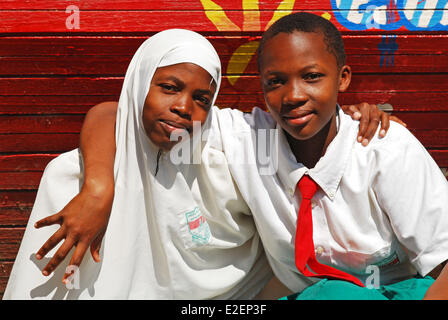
pixel 439 289
pixel 84 219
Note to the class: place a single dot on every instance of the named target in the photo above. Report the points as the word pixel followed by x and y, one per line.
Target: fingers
pixel 76 259
pixel 352 111
pixel 364 123
pixel 59 256
pixel 372 126
pixel 385 123
pixel 96 246
pixel 53 219
pixel 51 243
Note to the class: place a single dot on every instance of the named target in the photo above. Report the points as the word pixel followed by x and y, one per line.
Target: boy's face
pixel 178 95
pixel 301 80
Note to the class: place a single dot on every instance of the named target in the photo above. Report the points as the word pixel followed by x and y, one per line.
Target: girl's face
pixel 178 95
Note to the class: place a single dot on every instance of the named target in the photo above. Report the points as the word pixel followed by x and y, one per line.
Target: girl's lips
pixel 169 127
pixel 299 120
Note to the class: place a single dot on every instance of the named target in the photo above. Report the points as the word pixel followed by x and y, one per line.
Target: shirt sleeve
pixel 413 192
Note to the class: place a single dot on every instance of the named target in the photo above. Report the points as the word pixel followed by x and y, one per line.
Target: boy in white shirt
pixel 379 213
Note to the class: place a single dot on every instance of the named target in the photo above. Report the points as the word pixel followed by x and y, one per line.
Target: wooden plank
pixel 48 21
pixel 19 180
pixel 405 83
pixel 69 104
pixel 441 157
pixel 119 45
pixel 15 206
pixel 111 56
pixel 15 216
pixel 117 65
pixel 5 270
pixel 38 143
pixel 437 138
pixel 41 124
pixel 105 5
pixel 10 239
pixel 148 5
pixel 25 162
pixel 424 120
pixel 80 104
pixel 72 123
pixel 400 101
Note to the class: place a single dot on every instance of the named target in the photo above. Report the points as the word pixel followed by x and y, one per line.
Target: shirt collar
pixel 329 169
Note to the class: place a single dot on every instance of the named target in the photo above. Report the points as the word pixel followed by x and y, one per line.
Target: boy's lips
pixel 298 117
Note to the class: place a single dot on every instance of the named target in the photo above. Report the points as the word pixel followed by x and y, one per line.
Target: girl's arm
pixel 84 219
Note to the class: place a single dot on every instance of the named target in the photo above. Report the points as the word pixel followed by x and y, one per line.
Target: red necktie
pixel 304 245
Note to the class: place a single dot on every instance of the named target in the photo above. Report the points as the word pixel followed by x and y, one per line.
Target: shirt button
pixel 331 194
pixel 313 204
pixel 291 192
pixel 319 250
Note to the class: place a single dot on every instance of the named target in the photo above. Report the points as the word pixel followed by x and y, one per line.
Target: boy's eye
pixel 202 99
pixel 313 76
pixel 273 82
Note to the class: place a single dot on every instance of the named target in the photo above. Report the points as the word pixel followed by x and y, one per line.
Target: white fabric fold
pixel 185 233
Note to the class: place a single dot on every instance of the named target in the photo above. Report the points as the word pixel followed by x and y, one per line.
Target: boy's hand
pixel 369 117
pixel 83 223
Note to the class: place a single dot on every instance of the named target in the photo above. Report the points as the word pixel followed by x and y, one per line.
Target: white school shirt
pixel 384 205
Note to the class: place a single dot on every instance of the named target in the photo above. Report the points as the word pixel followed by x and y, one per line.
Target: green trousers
pixel 411 289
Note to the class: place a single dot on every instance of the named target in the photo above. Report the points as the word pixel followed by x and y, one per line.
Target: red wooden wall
pixel 52 70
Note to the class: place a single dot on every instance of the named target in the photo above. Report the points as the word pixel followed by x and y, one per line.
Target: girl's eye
pixel 168 87
pixel 313 76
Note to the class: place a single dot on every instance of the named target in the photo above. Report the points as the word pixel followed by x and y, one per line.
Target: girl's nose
pixel 183 107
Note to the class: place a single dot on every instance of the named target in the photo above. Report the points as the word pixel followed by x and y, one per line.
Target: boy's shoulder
pixel 397 139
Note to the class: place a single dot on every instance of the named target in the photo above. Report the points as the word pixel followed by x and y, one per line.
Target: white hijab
pixel 185 233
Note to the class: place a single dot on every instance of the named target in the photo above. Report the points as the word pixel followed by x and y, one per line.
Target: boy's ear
pixel 345 76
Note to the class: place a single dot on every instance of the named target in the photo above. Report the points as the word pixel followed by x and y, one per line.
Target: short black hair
pixel 307 22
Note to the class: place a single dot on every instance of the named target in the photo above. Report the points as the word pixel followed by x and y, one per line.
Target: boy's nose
pixel 294 94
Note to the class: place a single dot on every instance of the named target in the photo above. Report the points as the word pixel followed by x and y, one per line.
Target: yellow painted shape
pixel 251 14
pixel 326 15
pixel 284 8
pixel 240 59
pixel 218 17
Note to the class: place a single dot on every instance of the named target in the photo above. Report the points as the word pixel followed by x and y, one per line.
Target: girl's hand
pixel 83 222
pixel 370 117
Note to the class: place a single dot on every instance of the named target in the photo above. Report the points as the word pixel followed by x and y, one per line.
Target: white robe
pixel 185 233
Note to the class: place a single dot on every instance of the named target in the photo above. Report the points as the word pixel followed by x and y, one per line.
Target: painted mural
pixel 412 15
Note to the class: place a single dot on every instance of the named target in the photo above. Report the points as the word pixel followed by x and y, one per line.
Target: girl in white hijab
pixel 176 230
